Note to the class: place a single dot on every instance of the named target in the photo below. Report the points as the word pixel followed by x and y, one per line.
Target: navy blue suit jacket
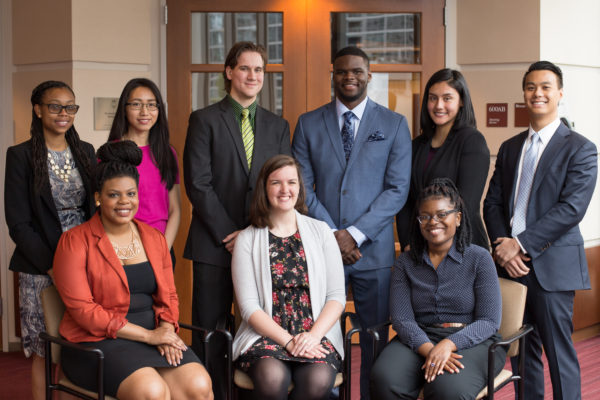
pixel 369 189
pixel 562 188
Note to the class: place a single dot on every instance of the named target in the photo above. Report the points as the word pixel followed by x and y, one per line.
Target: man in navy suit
pixel 540 190
pixel 356 156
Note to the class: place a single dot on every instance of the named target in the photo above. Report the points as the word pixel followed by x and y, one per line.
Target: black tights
pixel 271 378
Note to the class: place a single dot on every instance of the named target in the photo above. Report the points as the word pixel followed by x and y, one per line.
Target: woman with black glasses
pixel 141 117
pixel 445 306
pixel 47 191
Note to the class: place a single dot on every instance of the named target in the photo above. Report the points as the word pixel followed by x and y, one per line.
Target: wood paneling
pixel 586 310
pixel 306 71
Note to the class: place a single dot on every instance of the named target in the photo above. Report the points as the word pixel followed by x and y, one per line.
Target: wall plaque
pixel 497 115
pixel 104 112
pixel 521 115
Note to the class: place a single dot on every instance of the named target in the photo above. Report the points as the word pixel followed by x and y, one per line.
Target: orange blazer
pixel 93 285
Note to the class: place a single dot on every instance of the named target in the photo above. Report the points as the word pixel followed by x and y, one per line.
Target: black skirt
pixel 122 357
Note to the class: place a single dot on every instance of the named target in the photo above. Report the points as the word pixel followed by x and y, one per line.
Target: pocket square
pixel 374 137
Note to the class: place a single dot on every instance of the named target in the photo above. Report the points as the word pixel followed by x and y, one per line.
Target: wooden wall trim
pixel 586 310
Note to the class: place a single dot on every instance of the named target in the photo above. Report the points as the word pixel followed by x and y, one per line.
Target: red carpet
pixel 15 380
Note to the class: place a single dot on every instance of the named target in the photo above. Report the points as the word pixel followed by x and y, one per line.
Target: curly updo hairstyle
pixel 439 188
pixel 117 159
pixel 38 143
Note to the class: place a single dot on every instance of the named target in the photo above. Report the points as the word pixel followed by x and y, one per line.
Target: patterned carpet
pixel 15 380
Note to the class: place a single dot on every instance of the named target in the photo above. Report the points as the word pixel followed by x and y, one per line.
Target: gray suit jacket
pixel 217 180
pixel 370 188
pixel 562 189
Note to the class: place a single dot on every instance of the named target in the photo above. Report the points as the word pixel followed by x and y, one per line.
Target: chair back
pixel 54 309
pixel 514 295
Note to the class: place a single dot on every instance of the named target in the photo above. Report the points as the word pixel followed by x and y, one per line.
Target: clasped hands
pixel 168 343
pixel 306 345
pixel 508 255
pixel 348 247
pixel 439 359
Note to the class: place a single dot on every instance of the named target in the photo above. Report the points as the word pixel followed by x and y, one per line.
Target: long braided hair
pixel 158 138
pixel 439 188
pixel 38 143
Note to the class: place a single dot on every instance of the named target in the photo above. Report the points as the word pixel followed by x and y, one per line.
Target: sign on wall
pixel 497 115
pixel 104 112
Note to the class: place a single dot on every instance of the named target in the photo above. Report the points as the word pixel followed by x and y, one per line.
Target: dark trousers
pixel 397 373
pixel 551 314
pixel 211 304
pixel 371 292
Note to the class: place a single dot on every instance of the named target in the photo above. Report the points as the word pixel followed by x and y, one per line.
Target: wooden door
pixel 300 36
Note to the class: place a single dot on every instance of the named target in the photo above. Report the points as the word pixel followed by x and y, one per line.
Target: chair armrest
pixel 49 371
pixel 524 330
pixel 374 332
pixel 53 339
pixel 520 334
pixel 229 361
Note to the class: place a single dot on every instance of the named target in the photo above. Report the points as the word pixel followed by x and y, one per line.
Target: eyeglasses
pixel 57 108
pixel 424 219
pixel 138 106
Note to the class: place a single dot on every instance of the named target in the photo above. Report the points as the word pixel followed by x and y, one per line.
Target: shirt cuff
pixel 520 245
pixel 357 235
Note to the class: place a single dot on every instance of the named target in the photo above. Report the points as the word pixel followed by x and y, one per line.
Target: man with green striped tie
pixel 226 146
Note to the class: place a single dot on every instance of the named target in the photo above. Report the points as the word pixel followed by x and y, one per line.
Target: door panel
pixel 404 39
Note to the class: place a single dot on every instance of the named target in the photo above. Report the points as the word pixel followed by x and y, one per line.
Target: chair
pixel 238 379
pixel 511 329
pixel 53 311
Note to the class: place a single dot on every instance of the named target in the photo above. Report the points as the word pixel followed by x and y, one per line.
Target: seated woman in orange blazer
pixel 115 277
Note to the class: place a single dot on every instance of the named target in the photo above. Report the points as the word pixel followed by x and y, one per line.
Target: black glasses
pixel 423 219
pixel 136 105
pixel 57 108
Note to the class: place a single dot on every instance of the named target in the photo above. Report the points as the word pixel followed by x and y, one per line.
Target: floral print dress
pixel 291 304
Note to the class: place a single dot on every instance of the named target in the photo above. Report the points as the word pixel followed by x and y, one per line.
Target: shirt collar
pixel 358 111
pixel 453 253
pixel 237 107
pixel 546 132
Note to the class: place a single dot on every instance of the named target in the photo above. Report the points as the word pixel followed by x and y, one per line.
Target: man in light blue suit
pixel 356 158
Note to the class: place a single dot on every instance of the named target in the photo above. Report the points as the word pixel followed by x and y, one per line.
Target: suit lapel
pixel 335 135
pixel 549 155
pixel 260 137
pixel 234 130
pixel 107 250
pixel 46 195
pixel 364 128
pixel 513 156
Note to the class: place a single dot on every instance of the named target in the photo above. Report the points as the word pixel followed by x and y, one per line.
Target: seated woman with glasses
pixel 115 277
pixel 445 306
pixel 289 284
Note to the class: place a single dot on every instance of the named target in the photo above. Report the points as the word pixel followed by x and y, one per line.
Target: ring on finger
pixel 432 364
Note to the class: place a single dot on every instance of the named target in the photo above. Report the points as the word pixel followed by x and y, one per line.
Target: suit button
pixel 344 192
pixel 344 221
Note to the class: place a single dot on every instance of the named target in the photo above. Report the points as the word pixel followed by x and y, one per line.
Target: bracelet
pixel 286 345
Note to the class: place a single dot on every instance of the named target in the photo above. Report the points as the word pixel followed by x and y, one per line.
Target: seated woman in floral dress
pixel 289 284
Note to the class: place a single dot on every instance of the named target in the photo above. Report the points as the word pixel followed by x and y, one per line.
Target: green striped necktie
pixel 247 135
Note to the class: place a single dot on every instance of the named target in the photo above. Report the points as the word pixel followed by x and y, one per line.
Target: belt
pixel 449 325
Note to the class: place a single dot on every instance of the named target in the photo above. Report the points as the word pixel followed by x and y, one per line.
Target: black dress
pixel 291 304
pixel 122 357
pixel 463 157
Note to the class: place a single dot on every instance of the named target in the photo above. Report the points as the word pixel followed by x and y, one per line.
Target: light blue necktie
pixel 527 173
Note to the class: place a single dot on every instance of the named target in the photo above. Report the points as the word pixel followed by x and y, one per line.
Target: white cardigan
pixel 251 272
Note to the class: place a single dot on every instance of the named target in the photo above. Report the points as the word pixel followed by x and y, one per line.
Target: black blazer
pixel 465 158
pixel 217 180
pixel 32 220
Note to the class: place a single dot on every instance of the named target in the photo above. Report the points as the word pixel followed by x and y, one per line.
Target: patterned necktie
pixel 247 136
pixel 348 133
pixel 527 173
